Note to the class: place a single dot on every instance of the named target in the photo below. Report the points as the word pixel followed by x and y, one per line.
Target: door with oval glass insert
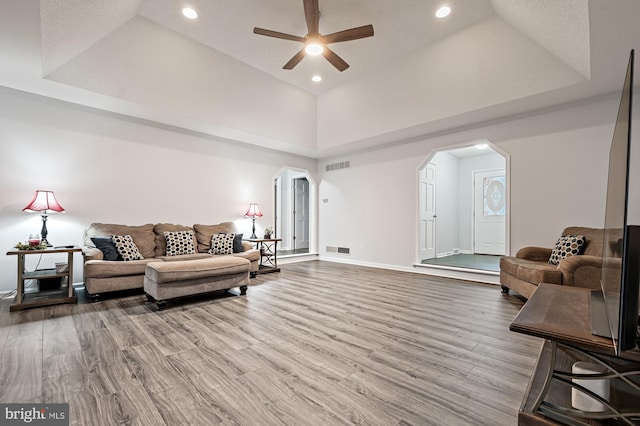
pixel 489 212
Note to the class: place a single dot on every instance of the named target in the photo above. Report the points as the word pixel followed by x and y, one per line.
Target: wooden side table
pixel 268 254
pixel 562 316
pixel 43 298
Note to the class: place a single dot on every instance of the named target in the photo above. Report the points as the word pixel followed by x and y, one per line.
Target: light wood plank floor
pixel 320 343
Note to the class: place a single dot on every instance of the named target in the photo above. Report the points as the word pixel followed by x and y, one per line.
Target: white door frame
pixel 295 213
pixel 313 204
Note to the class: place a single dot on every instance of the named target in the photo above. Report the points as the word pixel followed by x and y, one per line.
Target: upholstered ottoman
pixel 170 280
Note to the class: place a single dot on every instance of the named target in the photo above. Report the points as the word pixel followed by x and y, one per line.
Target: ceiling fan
pixel 316 43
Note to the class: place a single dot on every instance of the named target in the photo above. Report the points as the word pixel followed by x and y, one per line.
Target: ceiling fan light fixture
pixel 316 78
pixel 189 13
pixel 443 12
pixel 314 48
pixel 315 43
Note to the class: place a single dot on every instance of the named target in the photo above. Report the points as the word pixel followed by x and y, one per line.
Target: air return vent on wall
pixel 337 166
pixel 332 249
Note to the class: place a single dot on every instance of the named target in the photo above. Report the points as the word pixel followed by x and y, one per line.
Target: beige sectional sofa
pixel 103 276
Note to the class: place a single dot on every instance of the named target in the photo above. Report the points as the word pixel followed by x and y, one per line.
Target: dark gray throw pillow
pixel 237 244
pixel 106 246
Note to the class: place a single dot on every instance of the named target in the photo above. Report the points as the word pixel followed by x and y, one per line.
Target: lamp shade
pixel 43 201
pixel 253 211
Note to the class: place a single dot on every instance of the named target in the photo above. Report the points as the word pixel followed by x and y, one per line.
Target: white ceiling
pixel 417 75
pixel 69 27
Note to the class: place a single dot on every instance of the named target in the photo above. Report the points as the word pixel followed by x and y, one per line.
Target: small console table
pixel 268 248
pixel 562 316
pixel 24 300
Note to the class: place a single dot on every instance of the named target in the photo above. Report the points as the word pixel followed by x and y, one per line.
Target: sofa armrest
pixel 246 245
pixel 581 271
pixel 92 253
pixel 541 254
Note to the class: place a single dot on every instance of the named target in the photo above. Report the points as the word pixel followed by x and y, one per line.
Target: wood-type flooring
pixel 319 343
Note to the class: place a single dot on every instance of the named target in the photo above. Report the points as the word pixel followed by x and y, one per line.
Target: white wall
pixel 558 178
pixel 107 168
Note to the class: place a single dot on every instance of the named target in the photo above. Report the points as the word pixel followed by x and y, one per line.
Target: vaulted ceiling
pixel 212 75
pixel 71 27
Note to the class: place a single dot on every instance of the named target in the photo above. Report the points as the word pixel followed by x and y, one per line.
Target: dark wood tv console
pixel 562 316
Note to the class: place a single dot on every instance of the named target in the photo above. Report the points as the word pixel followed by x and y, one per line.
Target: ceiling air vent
pixel 337 166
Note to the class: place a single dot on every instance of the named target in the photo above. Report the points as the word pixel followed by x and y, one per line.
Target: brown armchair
pixel 530 266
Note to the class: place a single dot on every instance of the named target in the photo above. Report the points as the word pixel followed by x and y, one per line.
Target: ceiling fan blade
pixel 335 60
pixel 312 15
pixel 294 61
pixel 276 34
pixel 351 34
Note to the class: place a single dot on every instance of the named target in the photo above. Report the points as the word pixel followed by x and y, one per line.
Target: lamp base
pixel 43 231
pixel 253 229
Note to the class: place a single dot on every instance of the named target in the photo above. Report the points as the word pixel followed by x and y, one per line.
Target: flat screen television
pixel 615 307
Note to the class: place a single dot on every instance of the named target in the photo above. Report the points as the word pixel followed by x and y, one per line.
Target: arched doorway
pixel 294 198
pixel 463 218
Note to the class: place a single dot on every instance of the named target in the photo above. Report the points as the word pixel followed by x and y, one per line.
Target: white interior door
pixel 427 237
pixel 489 212
pixel 301 213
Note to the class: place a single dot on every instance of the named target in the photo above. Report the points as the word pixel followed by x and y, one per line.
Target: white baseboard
pixel 294 258
pixel 486 277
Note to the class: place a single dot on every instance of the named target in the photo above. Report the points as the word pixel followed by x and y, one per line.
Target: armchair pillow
pixel 567 246
pixel 126 247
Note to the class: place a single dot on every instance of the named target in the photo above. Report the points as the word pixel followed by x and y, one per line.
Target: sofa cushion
pixel 184 257
pixel 142 235
pixel 566 246
pixel 222 244
pixel 108 269
pixel 179 242
pixel 161 243
pixel 205 232
pixel 531 271
pixel 106 246
pixel 251 255
pixel 127 248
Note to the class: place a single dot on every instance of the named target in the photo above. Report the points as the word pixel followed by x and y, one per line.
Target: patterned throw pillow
pixel 222 244
pixel 126 247
pixel 179 242
pixel 567 246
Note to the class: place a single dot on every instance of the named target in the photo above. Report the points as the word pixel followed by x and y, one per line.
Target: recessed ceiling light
pixel 189 13
pixel 316 79
pixel 443 12
pixel 482 146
